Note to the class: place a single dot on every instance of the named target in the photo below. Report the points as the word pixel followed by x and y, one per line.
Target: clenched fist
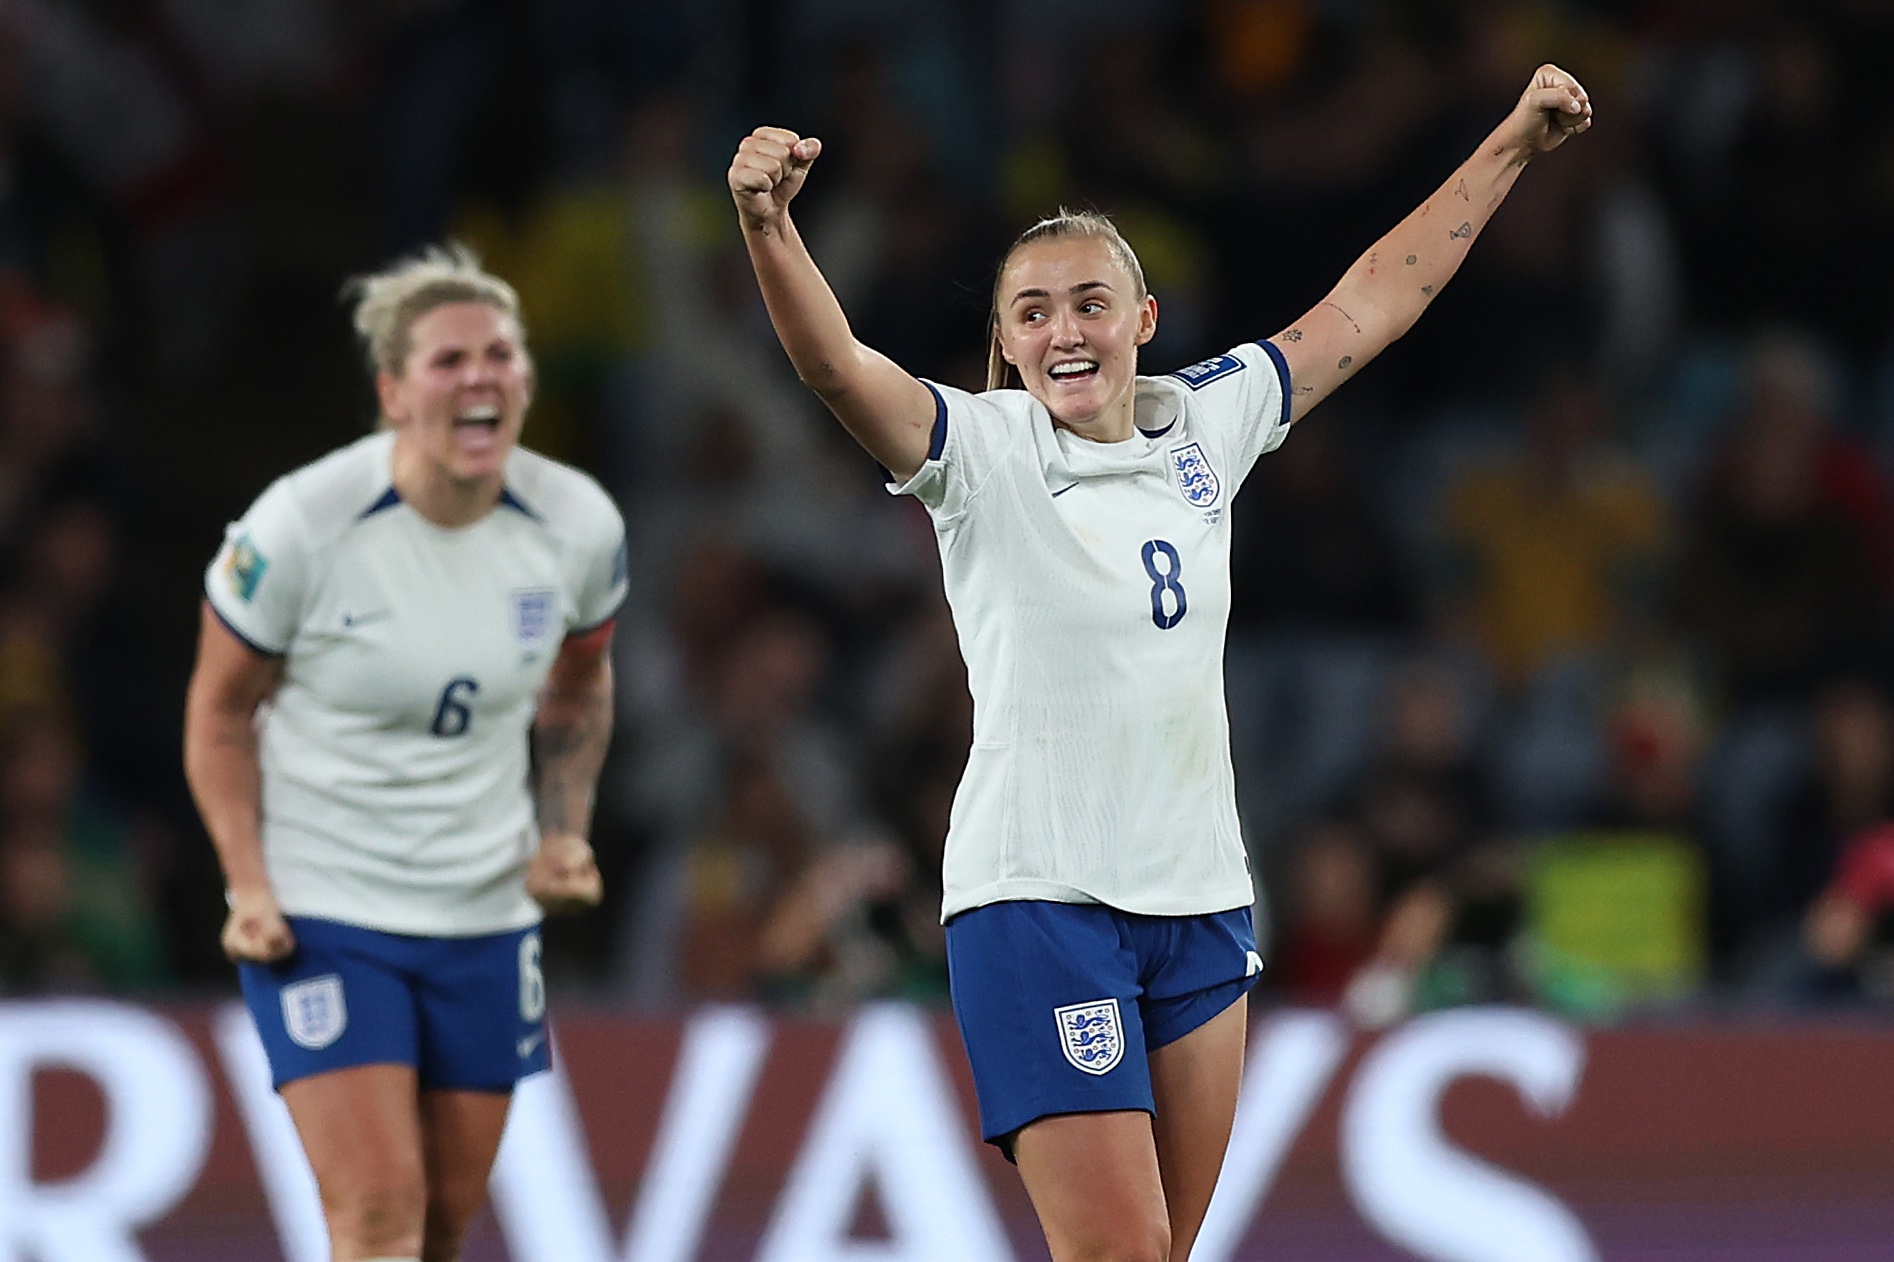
pixel 768 170
pixel 255 931
pixel 563 876
pixel 1553 108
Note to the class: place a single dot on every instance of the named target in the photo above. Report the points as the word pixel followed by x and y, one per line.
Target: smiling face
pixel 460 398
pixel 1070 319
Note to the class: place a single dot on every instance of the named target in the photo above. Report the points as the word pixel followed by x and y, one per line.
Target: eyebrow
pixel 1084 286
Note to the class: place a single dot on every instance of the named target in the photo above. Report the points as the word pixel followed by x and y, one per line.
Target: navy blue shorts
pixel 1060 1003
pixel 468 1013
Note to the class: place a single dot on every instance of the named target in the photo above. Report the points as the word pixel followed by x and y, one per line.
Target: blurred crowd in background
pixel 1560 663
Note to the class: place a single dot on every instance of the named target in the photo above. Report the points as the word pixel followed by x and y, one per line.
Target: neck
pixel 430 490
pixel 1113 425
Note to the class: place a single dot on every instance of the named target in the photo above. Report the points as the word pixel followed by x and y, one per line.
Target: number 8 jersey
pixel 1090 589
pixel 394 753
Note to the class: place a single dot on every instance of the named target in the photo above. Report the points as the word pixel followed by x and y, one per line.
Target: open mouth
pixel 481 416
pixel 1074 370
pixel 477 429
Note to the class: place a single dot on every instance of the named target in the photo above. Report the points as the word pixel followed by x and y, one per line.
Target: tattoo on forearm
pixel 1345 316
pixel 1413 259
pixel 1345 361
pixel 1302 390
pixel 1460 191
pixel 1293 335
pixel 1463 231
pixel 1428 290
pixel 567 756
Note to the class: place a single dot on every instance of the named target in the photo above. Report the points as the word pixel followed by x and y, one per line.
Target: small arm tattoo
pixel 1413 259
pixel 1345 361
pixel 1293 335
pixel 1460 191
pixel 1463 231
pixel 1302 390
pixel 1345 316
pixel 1428 290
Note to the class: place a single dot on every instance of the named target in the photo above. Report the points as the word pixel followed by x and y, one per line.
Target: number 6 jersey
pixel 394 753
pixel 1090 588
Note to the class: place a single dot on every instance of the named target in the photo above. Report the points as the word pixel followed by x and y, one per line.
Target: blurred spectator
pixel 1556 548
pixel 1777 579
pixel 1848 931
pixel 1319 603
pixel 76 895
pixel 1420 821
pixel 1847 787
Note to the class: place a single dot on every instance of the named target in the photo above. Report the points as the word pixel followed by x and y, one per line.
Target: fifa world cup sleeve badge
pixel 244 566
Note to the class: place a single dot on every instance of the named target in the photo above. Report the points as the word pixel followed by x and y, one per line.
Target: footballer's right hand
pixel 255 931
pixel 768 171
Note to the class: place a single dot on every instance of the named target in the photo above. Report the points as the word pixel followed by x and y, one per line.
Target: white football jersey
pixel 394 753
pixel 1090 587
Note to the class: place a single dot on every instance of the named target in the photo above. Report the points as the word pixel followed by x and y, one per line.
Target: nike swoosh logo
pixel 527 1046
pixel 1062 490
pixel 1252 964
pixel 362 619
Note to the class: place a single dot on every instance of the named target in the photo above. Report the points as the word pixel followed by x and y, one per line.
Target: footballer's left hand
pixel 1553 108
pixel 563 877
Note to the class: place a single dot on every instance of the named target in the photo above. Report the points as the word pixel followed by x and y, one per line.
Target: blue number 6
pixel 1165 580
pixel 451 716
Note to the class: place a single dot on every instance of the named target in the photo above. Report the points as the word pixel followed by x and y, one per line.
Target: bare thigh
pixel 361 1129
pixel 1093 1179
pixel 460 1133
pixel 1194 1082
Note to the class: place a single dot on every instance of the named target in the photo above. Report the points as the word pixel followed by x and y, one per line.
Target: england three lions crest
pixel 1195 478
pixel 1091 1035
pixel 314 1011
pixel 532 614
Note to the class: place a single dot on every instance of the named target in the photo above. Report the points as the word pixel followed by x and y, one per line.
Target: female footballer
pixel 1097 896
pixel 400 707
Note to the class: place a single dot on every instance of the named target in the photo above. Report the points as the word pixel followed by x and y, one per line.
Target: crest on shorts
pixel 1195 478
pixel 532 614
pixel 1091 1035
pixel 314 1013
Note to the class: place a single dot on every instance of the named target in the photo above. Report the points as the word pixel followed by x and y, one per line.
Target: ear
pixel 388 395
pixel 1147 320
pixel 1001 343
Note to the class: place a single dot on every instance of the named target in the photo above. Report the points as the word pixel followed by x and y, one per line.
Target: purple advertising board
pixel 141 1134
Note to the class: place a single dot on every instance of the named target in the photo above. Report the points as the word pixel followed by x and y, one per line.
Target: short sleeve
pixel 602 581
pixel 971 438
pixel 257 581
pixel 1245 394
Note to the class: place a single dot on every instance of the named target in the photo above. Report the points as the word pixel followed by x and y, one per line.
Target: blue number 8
pixel 452 716
pixel 1165 580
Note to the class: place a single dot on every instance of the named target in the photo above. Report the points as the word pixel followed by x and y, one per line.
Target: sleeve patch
pixel 244 568
pixel 1197 376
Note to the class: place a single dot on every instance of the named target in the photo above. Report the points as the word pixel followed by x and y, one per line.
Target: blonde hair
pixel 388 302
pixel 1067 223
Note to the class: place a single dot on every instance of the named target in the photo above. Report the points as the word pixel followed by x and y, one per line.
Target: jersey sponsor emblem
pixel 1197 376
pixel 244 567
pixel 1091 1035
pixel 314 1013
pixel 1195 478
pixel 532 614
pixel 1252 964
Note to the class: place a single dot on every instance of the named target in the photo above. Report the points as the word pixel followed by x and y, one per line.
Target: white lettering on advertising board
pixel 888 1119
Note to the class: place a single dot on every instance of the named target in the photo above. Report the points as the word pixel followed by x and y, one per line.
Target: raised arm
pixel 1380 297
pixel 889 412
pixel 227 685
